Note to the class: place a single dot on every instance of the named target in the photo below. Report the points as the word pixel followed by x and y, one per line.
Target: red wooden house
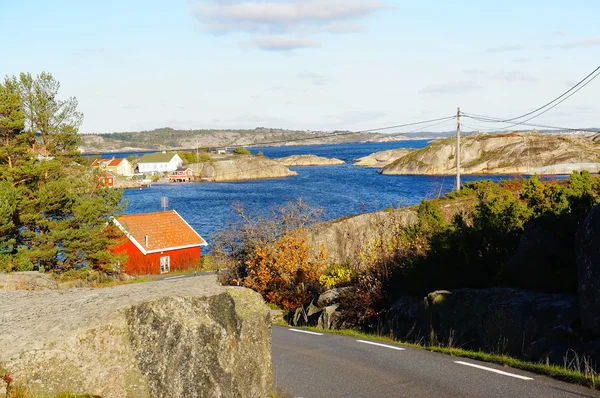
pixel 158 243
pixel 181 174
pixel 106 179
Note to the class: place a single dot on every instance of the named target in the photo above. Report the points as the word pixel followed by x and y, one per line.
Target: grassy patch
pixel 586 377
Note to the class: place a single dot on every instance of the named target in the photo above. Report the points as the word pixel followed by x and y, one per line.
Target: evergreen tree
pixel 53 211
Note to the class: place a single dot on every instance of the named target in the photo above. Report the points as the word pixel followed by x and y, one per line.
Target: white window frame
pixel 165 264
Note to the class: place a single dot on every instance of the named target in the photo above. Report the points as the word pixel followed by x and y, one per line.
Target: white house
pixel 159 162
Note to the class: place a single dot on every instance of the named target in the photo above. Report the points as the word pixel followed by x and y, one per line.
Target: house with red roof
pixel 106 179
pixel 182 174
pixel 118 166
pixel 158 243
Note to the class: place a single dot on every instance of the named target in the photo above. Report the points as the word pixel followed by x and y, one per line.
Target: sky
pixel 307 64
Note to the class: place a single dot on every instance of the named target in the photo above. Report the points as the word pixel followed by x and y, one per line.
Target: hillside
pixel 169 139
pixel 515 153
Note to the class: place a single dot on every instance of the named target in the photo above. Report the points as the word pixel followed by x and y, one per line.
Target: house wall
pixel 125 168
pixel 140 264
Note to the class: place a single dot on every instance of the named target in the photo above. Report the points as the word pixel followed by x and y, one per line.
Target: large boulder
pixel 543 261
pixel 321 312
pixel 184 338
pixel 511 321
pixel 587 249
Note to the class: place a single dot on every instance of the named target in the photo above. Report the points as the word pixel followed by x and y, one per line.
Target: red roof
pixel 113 162
pixel 166 230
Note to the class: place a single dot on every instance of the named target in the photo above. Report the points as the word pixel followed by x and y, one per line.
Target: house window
pixel 165 264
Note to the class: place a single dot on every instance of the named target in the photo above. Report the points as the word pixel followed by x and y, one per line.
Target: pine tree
pixel 53 211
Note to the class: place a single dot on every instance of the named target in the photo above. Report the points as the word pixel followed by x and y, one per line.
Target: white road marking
pixel 493 370
pixel 381 345
pixel 306 331
pixel 174 277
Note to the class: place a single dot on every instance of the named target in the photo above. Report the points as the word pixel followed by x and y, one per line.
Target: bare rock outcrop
pixel 382 158
pixel 30 280
pixel 588 270
pixel 514 153
pixel 308 160
pixel 343 238
pixel 184 338
pixel 239 168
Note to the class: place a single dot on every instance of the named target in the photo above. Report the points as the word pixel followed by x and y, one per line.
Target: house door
pixel 165 264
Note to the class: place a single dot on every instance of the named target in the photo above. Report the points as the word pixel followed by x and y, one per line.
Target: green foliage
pixel 53 211
pixel 241 151
pixel 204 157
pixel 187 157
pixel 130 158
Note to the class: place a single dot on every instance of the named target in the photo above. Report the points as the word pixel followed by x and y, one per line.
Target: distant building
pixel 160 162
pixel 182 174
pixel 158 243
pixel 106 179
pixel 114 165
pixel 220 151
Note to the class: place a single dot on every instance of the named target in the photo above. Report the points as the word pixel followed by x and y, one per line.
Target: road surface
pixel 315 365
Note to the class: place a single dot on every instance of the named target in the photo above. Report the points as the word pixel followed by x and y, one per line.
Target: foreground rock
pixel 382 158
pixel 588 270
pixel 516 153
pixel 185 338
pixel 239 168
pixel 308 160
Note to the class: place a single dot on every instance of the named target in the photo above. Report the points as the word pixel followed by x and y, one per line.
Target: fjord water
pixel 340 190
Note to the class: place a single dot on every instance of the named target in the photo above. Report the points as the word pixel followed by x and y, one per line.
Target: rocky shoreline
pixel 514 153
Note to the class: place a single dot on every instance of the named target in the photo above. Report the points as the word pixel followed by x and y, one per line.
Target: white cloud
pixel 452 88
pixel 505 49
pixel 316 78
pixel 592 41
pixel 285 18
pixel 515 76
pixel 282 42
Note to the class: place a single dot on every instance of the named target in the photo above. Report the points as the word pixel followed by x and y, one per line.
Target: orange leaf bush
pixel 284 273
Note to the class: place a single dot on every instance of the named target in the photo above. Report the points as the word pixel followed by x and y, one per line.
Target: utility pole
pixel 458 150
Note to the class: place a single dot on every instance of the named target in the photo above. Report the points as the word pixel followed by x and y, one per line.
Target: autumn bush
pixel 284 272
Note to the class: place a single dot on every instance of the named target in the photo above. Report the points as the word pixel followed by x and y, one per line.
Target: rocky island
pixel 513 153
pixel 382 158
pixel 239 168
pixel 308 160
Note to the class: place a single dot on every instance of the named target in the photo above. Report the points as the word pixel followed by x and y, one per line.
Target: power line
pixel 557 98
pixel 490 119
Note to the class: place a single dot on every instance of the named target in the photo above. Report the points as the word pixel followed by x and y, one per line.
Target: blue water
pixel 340 190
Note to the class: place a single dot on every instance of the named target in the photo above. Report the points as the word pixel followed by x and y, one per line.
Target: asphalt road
pixel 327 365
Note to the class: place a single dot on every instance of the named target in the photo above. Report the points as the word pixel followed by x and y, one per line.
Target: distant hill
pixel 168 139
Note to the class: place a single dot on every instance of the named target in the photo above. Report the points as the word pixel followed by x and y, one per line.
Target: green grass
pixel 586 378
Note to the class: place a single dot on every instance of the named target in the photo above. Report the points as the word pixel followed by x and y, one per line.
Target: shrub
pixel 241 151
pixel 337 276
pixel 284 273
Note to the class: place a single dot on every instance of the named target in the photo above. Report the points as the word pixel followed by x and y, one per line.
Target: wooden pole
pixel 458 150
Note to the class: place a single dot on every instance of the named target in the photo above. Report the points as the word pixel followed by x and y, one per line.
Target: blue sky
pixel 307 64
